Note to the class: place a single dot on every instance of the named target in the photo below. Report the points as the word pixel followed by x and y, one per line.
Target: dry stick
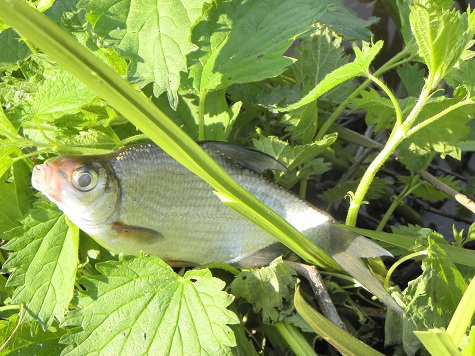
pixel 311 274
pixel 459 197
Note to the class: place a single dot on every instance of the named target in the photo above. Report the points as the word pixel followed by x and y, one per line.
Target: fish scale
pixel 140 199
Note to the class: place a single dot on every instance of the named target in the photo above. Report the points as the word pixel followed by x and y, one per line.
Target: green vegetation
pixel 92 76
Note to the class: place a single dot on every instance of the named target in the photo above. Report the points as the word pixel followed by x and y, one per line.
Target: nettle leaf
pixel 44 264
pixel 244 41
pixel 30 339
pixel 294 156
pixel 302 123
pixel 270 289
pixel 58 94
pixel 441 136
pixel 140 306
pixel 379 110
pixel 463 75
pixel 427 191
pixel 345 22
pixel 433 297
pixel 152 34
pixel 377 189
pixel 413 78
pixel 359 67
pixel 314 167
pixel 442 35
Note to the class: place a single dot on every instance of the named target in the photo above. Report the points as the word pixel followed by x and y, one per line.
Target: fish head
pixel 84 189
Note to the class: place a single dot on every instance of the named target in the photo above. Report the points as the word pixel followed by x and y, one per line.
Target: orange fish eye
pixel 84 179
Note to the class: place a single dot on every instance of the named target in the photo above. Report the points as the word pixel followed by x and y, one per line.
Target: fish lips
pixel 42 179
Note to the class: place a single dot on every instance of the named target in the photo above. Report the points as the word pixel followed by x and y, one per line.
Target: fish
pixel 140 199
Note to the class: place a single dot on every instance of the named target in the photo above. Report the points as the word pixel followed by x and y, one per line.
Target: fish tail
pixel 346 248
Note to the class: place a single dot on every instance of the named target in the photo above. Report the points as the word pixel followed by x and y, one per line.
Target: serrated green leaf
pixel 29 339
pixel 427 191
pixel 344 21
pixel 153 35
pixel 413 78
pixel 270 290
pixel 441 136
pixel 442 36
pixel 244 41
pixel 290 156
pixel 43 266
pixel 379 110
pixel 302 123
pixel 433 297
pixel 140 306
pixel 14 197
pixel 463 75
pixel 359 67
pixel 60 93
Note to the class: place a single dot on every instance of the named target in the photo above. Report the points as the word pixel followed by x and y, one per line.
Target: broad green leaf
pixel 359 67
pixel 43 265
pixel 442 36
pixel 314 167
pixel 152 34
pixel 269 289
pixel 302 123
pixel 29 339
pixel 218 118
pixel 343 341
pixel 140 306
pixel 290 156
pixel 244 41
pixel 433 297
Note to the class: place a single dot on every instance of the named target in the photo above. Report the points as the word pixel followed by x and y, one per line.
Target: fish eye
pixel 84 179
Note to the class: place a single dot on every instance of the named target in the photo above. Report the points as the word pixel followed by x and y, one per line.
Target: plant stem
pixel 394 140
pixel 295 339
pixel 391 96
pixel 201 116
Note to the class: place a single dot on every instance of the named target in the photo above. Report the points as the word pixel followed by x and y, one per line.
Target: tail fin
pixel 346 248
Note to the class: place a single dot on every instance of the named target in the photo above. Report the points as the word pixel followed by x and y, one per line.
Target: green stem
pixel 201 116
pixel 303 188
pixel 394 140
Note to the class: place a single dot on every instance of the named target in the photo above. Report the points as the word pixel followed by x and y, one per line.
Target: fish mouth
pixel 42 180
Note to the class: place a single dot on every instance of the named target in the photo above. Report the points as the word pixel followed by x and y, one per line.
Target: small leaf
pixel 379 110
pixel 43 266
pixel 270 290
pixel 413 78
pixel 427 191
pixel 13 49
pixel 140 306
pixel 377 189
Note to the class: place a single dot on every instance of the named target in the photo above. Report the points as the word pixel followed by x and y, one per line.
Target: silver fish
pixel 140 199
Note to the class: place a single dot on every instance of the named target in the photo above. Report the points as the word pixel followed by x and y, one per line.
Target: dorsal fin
pixel 246 157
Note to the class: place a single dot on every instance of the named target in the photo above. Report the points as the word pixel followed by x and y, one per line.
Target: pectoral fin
pixel 262 257
pixel 346 249
pixel 135 234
